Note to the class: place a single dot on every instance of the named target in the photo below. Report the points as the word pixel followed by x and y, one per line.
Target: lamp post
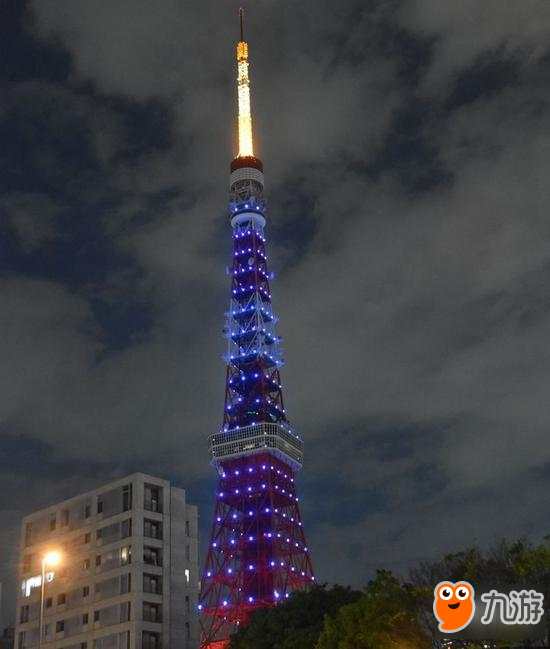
pixel 50 559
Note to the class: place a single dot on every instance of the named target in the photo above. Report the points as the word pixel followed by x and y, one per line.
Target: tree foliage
pixel 390 613
pixel 295 624
pixel 504 563
pixel 386 617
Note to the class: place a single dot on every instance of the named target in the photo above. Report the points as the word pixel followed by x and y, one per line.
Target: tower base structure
pixel 217 644
pixel 258 553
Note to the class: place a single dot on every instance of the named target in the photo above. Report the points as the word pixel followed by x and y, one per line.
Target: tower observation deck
pixel 257 554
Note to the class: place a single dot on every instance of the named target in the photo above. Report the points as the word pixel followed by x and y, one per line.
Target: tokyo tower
pixel 257 554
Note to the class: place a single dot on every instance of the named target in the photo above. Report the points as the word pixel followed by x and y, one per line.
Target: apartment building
pixel 128 574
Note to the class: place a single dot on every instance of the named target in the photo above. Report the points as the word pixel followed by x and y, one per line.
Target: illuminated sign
pixel 34 582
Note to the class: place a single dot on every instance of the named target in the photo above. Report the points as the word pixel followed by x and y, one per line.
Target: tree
pixel 386 617
pixel 391 614
pixel 503 564
pixel 294 624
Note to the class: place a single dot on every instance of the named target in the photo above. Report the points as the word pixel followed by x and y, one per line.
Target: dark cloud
pixel 406 153
pixel 32 218
pixel 467 31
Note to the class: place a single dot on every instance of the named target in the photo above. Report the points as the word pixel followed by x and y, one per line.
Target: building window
pixel 150 640
pixel 61 599
pixel 60 626
pixel 87 537
pixel 125 611
pixel 126 497
pixel 187 604
pixel 96 616
pixel 187 529
pixel 86 564
pixel 152 612
pixel 187 575
pixel 87 510
pixel 152 584
pixel 83 645
pixel 98 560
pixel 125 555
pixel 187 631
pixel 27 562
pixel 64 517
pixel 153 498
pixel 126 528
pixel 152 556
pixel 85 591
pixel 22 640
pixel 99 534
pixel 152 529
pixel 53 522
pixel 28 534
pixel 49 602
pixel 125 583
pixel 24 614
pixel 85 618
pixel 99 505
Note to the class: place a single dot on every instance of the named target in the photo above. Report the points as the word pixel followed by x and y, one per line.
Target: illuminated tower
pixel 257 553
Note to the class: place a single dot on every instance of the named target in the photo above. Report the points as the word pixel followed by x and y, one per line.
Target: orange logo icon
pixel 454 605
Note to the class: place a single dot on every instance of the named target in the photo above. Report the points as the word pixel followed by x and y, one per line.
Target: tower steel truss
pixel 257 554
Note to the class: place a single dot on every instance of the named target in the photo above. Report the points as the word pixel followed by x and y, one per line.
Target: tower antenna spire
pixel 246 148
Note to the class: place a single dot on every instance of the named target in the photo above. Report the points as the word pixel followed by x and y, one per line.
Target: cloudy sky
pixel 407 153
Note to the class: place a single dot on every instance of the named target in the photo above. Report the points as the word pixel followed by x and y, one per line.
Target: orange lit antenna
pixel 245 118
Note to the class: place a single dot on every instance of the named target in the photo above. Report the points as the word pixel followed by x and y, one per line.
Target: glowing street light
pixel 51 559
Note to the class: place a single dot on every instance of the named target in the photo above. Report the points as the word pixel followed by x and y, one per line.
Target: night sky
pixel 406 146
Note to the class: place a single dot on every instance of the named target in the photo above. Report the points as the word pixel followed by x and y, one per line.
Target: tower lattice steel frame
pixel 257 553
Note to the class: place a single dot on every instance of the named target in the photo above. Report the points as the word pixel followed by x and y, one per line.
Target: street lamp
pixel 49 560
